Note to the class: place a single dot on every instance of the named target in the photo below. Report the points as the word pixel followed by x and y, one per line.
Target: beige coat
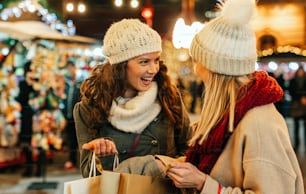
pixel 258 158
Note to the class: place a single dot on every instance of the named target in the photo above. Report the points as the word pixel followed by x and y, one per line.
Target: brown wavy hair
pixel 108 81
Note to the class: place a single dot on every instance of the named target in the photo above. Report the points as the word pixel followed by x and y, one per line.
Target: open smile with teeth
pixel 146 80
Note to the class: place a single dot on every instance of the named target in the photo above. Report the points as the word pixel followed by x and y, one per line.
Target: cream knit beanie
pixel 129 38
pixel 227 44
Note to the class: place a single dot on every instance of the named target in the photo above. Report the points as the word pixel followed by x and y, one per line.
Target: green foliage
pixel 6 3
pixel 44 3
pixel 9 42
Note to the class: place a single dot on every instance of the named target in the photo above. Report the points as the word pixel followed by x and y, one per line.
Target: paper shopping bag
pixel 140 184
pixel 110 182
pixel 106 183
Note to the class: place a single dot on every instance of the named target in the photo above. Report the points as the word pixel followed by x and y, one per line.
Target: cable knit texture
pixel 264 90
pixel 134 115
pixel 130 38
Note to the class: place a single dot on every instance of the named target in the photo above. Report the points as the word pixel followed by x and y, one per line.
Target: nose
pixel 153 68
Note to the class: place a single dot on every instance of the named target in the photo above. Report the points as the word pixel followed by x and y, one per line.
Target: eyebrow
pixel 146 58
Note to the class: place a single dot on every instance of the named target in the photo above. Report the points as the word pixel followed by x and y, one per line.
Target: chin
pixel 144 88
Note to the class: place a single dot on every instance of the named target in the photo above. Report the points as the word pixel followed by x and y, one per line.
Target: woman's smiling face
pixel 141 71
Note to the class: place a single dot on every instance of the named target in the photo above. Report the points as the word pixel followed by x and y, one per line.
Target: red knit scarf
pixel 264 90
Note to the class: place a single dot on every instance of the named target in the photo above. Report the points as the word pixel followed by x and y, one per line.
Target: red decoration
pixel 147 12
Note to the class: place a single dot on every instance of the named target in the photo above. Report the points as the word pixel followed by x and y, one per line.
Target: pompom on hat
pixel 130 38
pixel 227 44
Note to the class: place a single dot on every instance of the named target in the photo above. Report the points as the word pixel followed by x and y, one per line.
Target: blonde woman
pixel 241 143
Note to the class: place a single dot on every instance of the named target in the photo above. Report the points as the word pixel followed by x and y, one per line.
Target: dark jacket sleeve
pixel 81 117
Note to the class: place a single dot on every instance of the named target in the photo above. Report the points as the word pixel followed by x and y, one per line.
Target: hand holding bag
pixel 142 175
pixel 106 183
pixel 110 182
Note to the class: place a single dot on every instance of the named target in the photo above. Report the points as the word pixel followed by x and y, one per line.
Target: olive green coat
pixel 157 138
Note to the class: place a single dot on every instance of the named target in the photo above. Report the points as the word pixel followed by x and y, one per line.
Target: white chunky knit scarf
pixel 134 115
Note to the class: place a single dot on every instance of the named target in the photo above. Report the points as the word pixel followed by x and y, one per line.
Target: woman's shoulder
pixel 261 118
pixel 261 128
pixel 82 108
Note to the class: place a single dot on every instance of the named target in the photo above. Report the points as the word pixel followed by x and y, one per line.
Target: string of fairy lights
pixel 33 6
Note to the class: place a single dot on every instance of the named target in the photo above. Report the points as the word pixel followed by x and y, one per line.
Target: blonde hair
pixel 220 97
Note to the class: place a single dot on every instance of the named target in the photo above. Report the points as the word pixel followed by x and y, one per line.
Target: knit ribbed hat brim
pixel 129 52
pixel 221 64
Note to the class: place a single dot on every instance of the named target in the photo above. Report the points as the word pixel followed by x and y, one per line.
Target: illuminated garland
pixel 33 6
pixel 282 49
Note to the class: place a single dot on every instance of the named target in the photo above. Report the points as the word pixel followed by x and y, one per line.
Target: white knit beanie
pixel 227 44
pixel 130 38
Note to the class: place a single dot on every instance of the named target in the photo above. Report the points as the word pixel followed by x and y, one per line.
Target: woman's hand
pixel 102 147
pixel 186 175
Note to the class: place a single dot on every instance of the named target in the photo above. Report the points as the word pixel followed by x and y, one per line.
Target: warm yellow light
pixel 81 7
pixel 32 8
pixel 118 3
pixel 134 3
pixel 296 50
pixel 69 7
pixel 183 34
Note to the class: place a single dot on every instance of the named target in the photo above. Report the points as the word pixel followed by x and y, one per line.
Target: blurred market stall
pixel 49 50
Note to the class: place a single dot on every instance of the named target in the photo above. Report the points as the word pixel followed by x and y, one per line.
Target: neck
pixel 244 79
pixel 130 93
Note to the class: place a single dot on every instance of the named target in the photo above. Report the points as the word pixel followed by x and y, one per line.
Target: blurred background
pixel 51 33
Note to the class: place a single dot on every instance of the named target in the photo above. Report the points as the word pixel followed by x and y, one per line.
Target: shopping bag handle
pixel 96 164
